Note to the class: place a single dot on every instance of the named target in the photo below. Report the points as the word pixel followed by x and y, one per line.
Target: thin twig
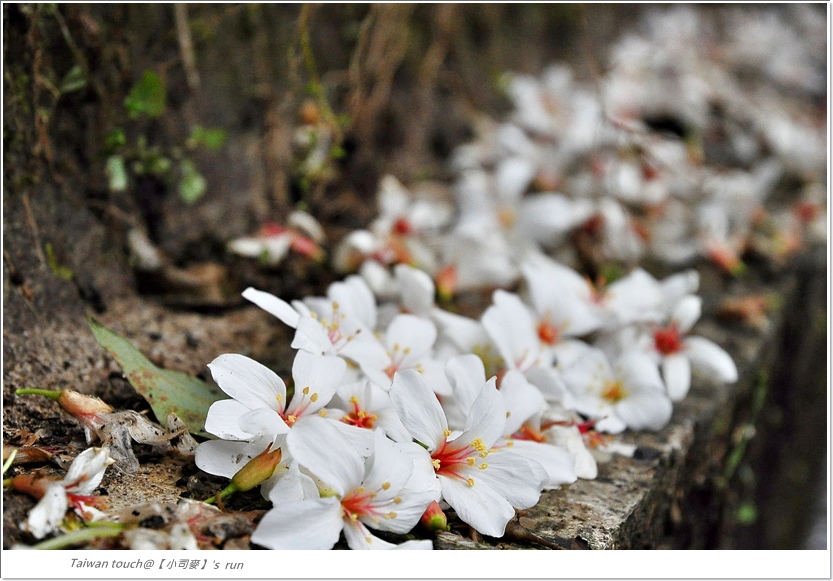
pixel 186 47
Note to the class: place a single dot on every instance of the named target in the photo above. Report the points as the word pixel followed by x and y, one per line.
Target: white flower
pixel 74 490
pixel 629 394
pixel 678 352
pixel 259 396
pixel 259 415
pixel 366 405
pixel 323 326
pixel 481 486
pixel 359 494
pixel 407 344
pixel 271 244
pixel 512 329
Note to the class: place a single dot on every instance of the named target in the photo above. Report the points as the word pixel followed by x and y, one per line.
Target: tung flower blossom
pixel 383 492
pixel 74 490
pixel 483 486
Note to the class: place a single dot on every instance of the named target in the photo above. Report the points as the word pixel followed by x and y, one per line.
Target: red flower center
pixel 667 340
pixel 548 333
pixel 358 417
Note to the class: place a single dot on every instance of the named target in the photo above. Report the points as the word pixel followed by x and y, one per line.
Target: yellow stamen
pixel 470 481
pixel 314 397
pixel 385 485
pixel 614 392
pixel 483 466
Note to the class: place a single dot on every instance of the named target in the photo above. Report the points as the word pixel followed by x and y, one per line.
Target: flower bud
pixel 81 405
pixel 257 470
pixel 447 283
pixel 434 518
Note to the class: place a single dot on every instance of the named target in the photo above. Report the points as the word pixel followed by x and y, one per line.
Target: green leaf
pixel 74 80
pixel 164 389
pixel 116 173
pixel 212 139
pixel 191 185
pixel 747 513
pixel 147 97
pixel 115 139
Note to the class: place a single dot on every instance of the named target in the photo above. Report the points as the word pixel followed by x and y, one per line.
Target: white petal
pixel 288 485
pixel 635 368
pixel 513 176
pixel 273 305
pixel 487 417
pixel 558 462
pixel 687 312
pixel 522 400
pixel 318 376
pixel 355 299
pixel 545 217
pixel 315 443
pixel 86 471
pixel 570 438
pixel 359 538
pixel 411 332
pixel 418 408
pixel 249 382
pixel 518 478
pixel 647 409
pixel 225 458
pixel 479 506
pixel 48 512
pixel 510 326
pixel 263 422
pixel 676 371
pixel 708 357
pixel 360 439
pixel 416 289
pixel 467 375
pixel 223 420
pixel 312 337
pixel 310 524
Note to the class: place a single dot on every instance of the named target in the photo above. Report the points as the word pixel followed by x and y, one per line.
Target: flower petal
pixel 466 375
pixel 312 337
pixel 316 444
pixel 316 378
pixel 487 417
pixel 522 400
pixel 86 471
pixel 418 408
pixel 645 409
pixel 518 478
pixel 252 384
pixel 558 463
pixel 676 371
pixel 48 512
pixel 709 358
pixel 687 312
pixel 223 420
pixel 480 506
pixel 273 305
pixel 315 523
pixel 225 458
